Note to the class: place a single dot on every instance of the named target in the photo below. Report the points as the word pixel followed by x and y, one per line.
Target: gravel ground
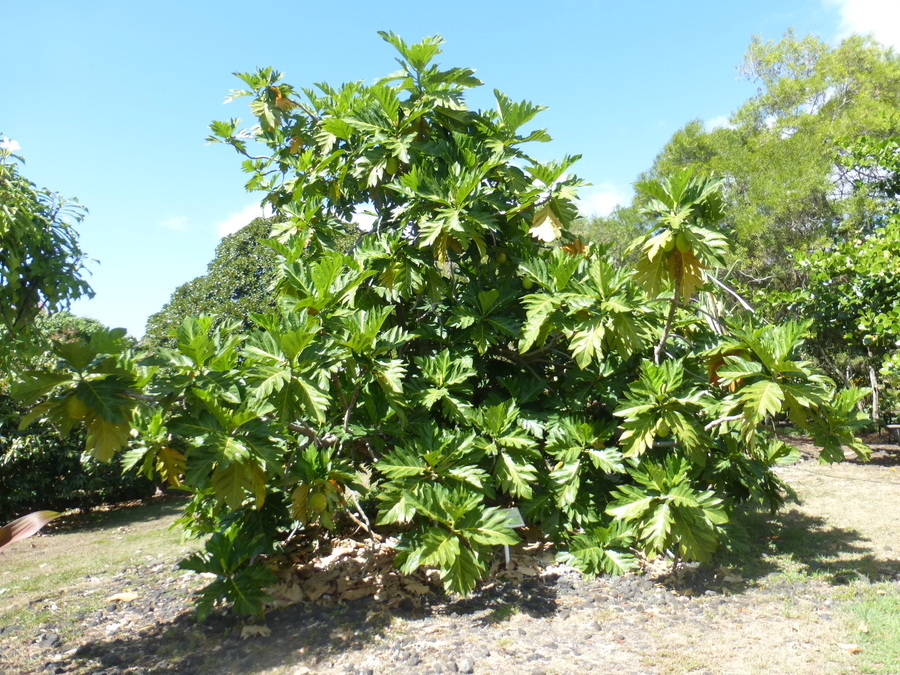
pixel 554 622
pixel 547 619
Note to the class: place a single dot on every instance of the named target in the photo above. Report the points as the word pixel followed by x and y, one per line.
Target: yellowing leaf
pixel 258 485
pixel 546 226
pixel 283 103
pixel 687 271
pixel 577 247
pixel 299 504
pixel 171 465
pixel 104 438
pixel 230 484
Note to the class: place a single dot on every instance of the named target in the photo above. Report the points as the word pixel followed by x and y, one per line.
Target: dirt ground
pixel 790 606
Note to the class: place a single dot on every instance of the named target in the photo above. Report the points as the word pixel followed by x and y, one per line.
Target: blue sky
pixel 110 101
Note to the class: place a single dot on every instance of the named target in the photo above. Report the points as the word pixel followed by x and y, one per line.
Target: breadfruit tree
pixel 464 356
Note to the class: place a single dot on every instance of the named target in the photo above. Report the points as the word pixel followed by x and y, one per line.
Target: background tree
pixel 42 467
pixel 786 188
pixel 41 263
pixel 809 170
pixel 615 231
pixel 238 281
pixel 851 288
pixel 41 272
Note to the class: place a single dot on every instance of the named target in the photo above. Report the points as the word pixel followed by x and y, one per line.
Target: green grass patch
pixel 873 613
pixel 53 577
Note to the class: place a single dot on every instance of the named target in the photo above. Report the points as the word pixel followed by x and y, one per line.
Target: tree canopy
pixel 810 187
pixel 41 263
pixel 466 356
pixel 851 288
pixel 238 282
pixel 44 468
pixel 786 186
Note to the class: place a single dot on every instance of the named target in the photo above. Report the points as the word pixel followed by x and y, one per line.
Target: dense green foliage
pixel 41 264
pixel 851 289
pixel 787 188
pixel 465 356
pixel 238 282
pixel 41 467
pixel 810 188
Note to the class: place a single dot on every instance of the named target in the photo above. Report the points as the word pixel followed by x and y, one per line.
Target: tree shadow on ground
pixel 793 541
pixel 316 635
pixel 885 455
pixel 124 514
pixel 311 634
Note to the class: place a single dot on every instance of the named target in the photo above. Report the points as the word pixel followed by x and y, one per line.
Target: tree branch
pixel 324 442
pixel 658 351
pixel 746 305
pixel 722 420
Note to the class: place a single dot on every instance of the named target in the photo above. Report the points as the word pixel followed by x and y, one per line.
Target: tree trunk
pixel 661 347
pixel 873 382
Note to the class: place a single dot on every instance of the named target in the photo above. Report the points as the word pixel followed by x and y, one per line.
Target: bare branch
pixel 722 420
pixel 743 303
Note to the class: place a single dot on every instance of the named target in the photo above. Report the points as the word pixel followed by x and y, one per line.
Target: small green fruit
pixel 527 283
pixel 501 257
pixel 682 243
pixel 318 502
pixel 75 407
pixel 393 165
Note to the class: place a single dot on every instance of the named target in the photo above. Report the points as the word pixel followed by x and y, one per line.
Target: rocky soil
pixel 781 610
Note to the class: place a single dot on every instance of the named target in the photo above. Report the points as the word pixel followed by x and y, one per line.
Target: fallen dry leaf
pixel 288 592
pixel 850 647
pixel 344 634
pixel 254 631
pixel 122 597
pixel 862 627
pixel 416 587
pixel 316 591
pixel 357 593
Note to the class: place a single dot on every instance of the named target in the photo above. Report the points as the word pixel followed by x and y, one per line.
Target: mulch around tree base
pixel 549 620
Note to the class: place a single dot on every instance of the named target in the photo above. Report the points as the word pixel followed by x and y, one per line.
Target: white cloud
pixel 175 223
pixel 880 18
pixel 9 145
pixel 600 200
pixel 236 221
pixel 717 122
